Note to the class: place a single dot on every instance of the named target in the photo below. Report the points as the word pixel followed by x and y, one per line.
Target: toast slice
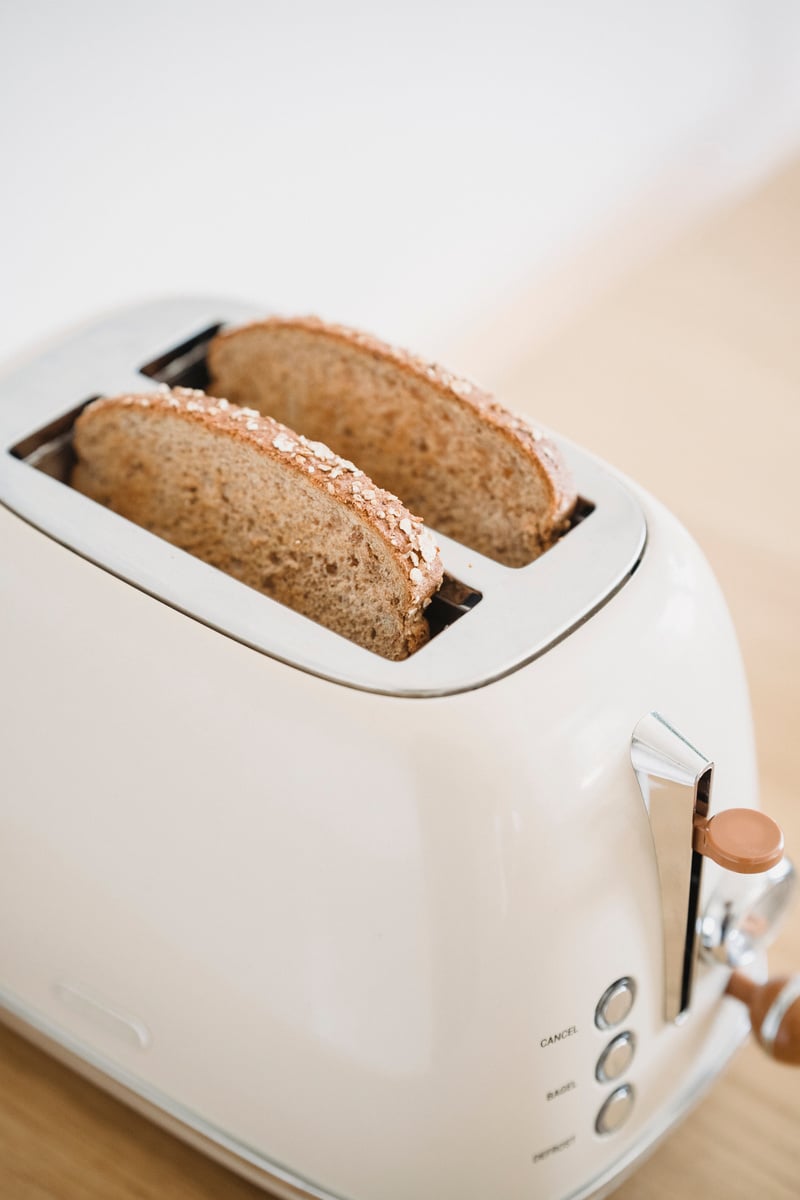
pixel 472 469
pixel 280 513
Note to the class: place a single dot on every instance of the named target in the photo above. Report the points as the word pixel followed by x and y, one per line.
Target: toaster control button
pixel 616 1110
pixel 616 1058
pixel 615 1004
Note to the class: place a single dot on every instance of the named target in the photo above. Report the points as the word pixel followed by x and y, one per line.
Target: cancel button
pixel 561 1036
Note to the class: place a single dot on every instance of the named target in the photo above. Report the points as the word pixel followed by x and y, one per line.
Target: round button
pixel 616 1110
pixel 616 1058
pixel 615 1003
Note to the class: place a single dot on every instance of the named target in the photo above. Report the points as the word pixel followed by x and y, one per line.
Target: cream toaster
pixel 474 924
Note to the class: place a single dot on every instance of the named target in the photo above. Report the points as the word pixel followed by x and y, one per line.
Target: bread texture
pixel 472 469
pixel 280 513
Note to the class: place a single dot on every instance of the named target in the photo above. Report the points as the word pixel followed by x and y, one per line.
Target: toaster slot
pixel 583 509
pixel 453 600
pixel 50 451
pixel 515 613
pixel 184 365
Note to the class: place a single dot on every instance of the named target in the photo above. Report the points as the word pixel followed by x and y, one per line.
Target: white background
pixel 404 167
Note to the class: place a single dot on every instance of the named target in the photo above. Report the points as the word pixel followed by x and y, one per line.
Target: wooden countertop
pixel 686 374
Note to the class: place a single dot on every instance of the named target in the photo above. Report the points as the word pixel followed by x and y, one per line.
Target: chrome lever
pixel 675 782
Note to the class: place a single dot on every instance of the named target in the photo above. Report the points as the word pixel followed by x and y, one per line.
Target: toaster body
pixel 361 943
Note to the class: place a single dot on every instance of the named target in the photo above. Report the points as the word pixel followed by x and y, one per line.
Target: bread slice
pixel 449 450
pixel 280 513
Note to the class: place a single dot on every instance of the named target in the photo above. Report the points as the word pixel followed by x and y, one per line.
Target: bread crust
pixel 540 452
pixel 408 543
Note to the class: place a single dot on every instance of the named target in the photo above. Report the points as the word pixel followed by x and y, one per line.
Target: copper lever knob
pixel 740 839
pixel 774 1013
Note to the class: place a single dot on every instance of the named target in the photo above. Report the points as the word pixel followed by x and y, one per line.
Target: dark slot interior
pixel 452 601
pixel 583 509
pixel 49 449
pixel 185 365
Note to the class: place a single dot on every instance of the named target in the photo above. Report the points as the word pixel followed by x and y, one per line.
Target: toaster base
pixel 285 1184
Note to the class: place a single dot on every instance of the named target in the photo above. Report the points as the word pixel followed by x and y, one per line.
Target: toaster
pixel 476 923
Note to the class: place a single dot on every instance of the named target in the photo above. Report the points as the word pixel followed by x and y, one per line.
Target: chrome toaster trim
pixel 522 613
pixel 675 780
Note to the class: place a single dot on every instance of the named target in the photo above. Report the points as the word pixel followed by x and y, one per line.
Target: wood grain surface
pixel 687 376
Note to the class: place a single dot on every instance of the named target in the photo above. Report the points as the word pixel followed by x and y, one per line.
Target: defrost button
pixel 615 1111
pixel 615 1003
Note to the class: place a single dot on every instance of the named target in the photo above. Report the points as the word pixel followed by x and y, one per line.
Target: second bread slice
pixel 280 513
pixel 471 468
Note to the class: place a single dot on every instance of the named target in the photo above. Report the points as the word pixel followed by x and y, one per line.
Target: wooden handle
pixel 774 1013
pixel 740 839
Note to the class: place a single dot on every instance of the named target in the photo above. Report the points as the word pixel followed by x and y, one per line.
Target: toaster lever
pixel 675 782
pixel 743 840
